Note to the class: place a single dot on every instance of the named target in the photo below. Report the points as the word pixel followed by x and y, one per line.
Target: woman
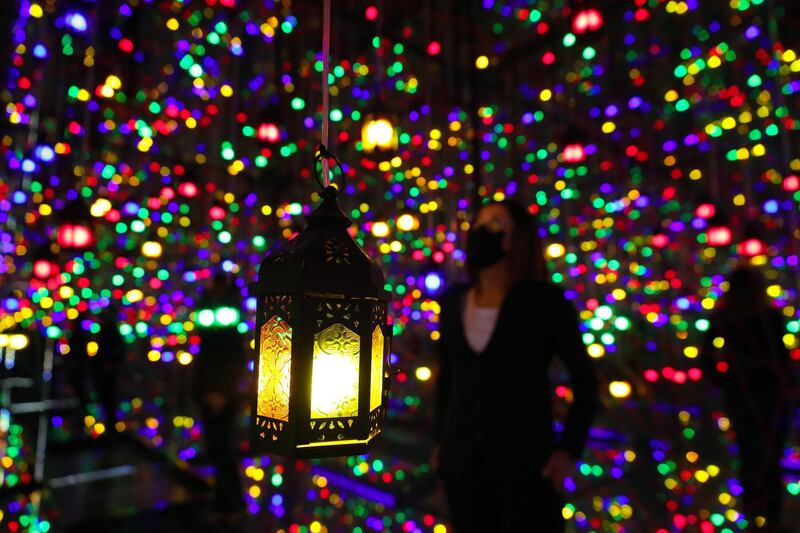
pixel 745 355
pixel 497 335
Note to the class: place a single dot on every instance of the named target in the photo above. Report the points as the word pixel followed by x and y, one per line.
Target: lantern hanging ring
pixel 322 157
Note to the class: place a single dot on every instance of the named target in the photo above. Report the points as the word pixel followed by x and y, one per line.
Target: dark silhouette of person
pixel 744 354
pixel 501 465
pixel 105 365
pixel 218 369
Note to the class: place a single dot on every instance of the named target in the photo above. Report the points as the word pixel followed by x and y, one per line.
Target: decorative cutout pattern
pixel 338 311
pixel 334 381
pixel 274 369
pixel 376 372
pixel 278 304
pixel 337 251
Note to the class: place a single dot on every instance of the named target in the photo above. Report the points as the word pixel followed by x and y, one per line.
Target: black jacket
pixel 503 396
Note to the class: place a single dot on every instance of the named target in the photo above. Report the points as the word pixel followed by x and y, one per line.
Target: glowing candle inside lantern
pixel 334 381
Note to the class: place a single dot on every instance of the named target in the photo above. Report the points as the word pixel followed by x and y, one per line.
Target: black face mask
pixel 484 247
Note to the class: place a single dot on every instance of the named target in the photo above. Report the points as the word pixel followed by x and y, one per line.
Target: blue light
pixel 77 21
pixel 45 153
pixel 28 165
pixel 433 281
pixel 40 51
pixel 771 206
pixel 19 197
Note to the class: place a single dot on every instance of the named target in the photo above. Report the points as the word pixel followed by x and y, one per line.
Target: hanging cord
pixel 326 47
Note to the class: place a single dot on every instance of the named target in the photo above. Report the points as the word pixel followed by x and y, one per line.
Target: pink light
pixel 574 153
pixel 651 375
pixel 216 213
pixel 44 269
pixel 268 132
pixel 371 13
pixel 587 20
pixel 791 183
pixel 705 210
pixel 434 48
pixel 74 236
pixel 660 240
pixel 751 247
pixel 188 189
pixel 719 235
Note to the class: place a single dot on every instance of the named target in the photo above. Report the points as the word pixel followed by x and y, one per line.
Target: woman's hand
pixel 557 467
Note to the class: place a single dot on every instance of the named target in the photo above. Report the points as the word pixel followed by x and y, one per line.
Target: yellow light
pixel 407 222
pixel 423 373
pixel 334 380
pixel 619 389
pixel 100 207
pixel 106 91
pixel 596 350
pixel 184 358
pixel 545 95
pixel 17 341
pixel 152 249
pixel 36 11
pixel 555 250
pixel 376 374
pixel 378 133
pixel 91 348
pixel 380 229
pixel 482 62
pixel 134 295
pixel 690 352
pixel 274 369
pixel 153 356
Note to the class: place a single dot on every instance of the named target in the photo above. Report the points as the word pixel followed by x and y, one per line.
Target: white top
pixel 479 323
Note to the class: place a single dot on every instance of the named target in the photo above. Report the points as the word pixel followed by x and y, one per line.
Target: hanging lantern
pixel 378 133
pixel 321 341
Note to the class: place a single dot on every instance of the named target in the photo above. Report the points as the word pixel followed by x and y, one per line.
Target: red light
pixel 126 45
pixel 574 153
pixel 269 132
pixel 371 13
pixel 434 48
pixel 44 269
pixel 705 210
pixel 74 236
pixel 188 189
pixel 587 20
pixel 695 373
pixel 651 375
pixel 791 183
pixel 548 58
pixel 752 247
pixel 660 240
pixel 216 213
pixel 719 235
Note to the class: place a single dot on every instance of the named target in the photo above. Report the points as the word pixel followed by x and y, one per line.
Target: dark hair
pixel 526 254
pixel 746 289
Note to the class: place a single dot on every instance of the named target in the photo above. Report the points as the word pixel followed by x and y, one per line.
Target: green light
pixel 224 237
pixel 622 323
pixel 589 52
pixel 226 316
pixel 298 103
pixel 205 318
pixel 336 115
pixel 261 161
pixel 754 80
pixel 569 39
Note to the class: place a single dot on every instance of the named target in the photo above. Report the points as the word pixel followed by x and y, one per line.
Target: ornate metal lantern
pixel 321 342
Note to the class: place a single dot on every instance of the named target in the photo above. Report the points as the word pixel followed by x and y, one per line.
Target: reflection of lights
pixel 619 389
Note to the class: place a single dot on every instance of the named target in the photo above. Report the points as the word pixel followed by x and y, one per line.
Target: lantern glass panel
pixel 376 377
pixel 274 369
pixel 334 380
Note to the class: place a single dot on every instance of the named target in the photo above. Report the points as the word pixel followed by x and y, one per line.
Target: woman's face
pixel 496 218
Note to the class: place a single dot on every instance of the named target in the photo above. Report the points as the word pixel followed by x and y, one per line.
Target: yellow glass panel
pixel 334 380
pixel 376 379
pixel 274 369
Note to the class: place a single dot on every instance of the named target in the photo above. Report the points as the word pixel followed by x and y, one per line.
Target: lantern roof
pixel 323 258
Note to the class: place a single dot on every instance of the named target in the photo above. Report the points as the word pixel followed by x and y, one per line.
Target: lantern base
pixel 340 448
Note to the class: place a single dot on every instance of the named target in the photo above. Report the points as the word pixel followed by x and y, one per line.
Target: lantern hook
pixel 322 156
